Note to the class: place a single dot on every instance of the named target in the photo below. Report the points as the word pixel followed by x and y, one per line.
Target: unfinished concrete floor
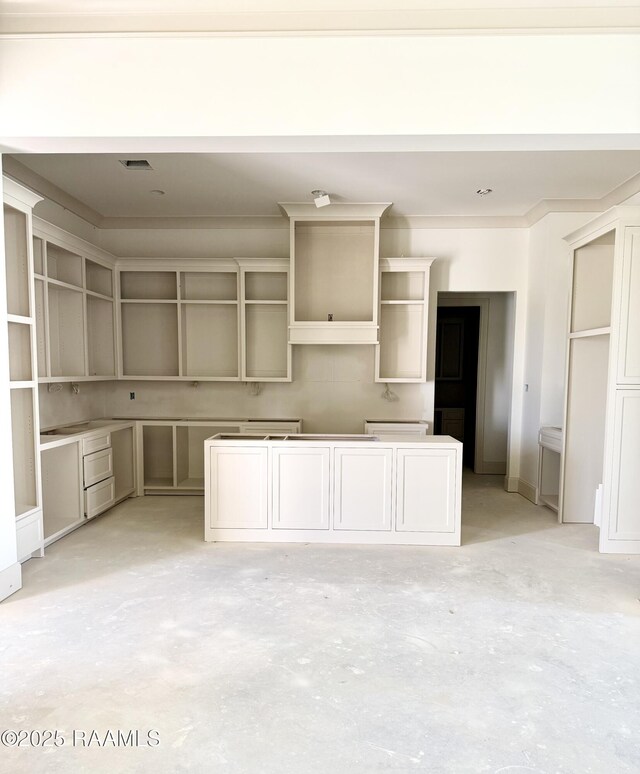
pixel 519 652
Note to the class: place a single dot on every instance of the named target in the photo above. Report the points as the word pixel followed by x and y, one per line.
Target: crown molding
pixel 240 222
pixel 589 17
pixel 41 185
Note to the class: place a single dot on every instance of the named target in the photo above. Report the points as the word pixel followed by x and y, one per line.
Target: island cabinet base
pixel 334 491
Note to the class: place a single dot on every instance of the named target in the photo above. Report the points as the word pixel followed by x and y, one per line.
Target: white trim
pixel 10 580
pixel 337 211
pixel 527 490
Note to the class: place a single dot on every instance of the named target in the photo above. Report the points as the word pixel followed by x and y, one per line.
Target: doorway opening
pixel 456 384
pixel 474 375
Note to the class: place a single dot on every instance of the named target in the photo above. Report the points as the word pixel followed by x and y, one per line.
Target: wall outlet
pixel 132 396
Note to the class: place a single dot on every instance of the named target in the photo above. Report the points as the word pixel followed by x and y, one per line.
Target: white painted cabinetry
pixel 362 488
pixel 23 387
pixel 333 278
pixel 334 489
pixel 601 451
pixel 75 307
pixel 301 487
pixel 401 352
pixel 426 491
pixel 239 478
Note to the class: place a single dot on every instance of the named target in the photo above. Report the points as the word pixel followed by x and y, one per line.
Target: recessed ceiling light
pixel 157 192
pixel 484 191
pixel 136 164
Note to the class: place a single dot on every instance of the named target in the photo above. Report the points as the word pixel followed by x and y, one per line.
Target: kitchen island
pixel 333 489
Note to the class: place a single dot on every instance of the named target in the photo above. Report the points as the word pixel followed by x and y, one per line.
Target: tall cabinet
pixel 23 373
pixel 601 449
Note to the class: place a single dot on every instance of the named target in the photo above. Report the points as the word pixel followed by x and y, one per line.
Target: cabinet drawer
pixel 96 443
pixel 99 497
pixel 97 467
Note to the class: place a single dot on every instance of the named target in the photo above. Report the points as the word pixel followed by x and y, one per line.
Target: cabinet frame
pixel 49 234
pixel 344 331
pixel 399 265
pixel 622 223
pixel 29 526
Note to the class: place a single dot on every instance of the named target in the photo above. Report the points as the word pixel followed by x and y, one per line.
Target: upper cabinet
pixel 401 354
pixel 74 307
pixel 219 321
pixel 334 273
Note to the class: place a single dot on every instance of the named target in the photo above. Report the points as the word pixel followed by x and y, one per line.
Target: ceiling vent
pixel 135 164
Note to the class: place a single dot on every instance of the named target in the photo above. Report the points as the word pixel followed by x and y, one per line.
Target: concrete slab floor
pixel 518 652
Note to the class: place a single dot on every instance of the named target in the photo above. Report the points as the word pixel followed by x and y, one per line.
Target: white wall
pixel 169 86
pixel 65 407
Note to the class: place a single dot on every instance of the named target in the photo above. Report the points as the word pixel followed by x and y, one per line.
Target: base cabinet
pixel 362 489
pixel 323 491
pixel 624 507
pixel 301 488
pixel 238 482
pixel 426 493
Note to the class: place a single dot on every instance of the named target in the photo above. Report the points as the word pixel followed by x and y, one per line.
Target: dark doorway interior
pixel 456 385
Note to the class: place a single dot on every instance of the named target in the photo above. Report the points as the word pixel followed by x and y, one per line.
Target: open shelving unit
pixel 23 386
pixel 266 352
pixel 587 377
pixel 74 308
pixel 333 279
pixel 180 324
pixel 401 354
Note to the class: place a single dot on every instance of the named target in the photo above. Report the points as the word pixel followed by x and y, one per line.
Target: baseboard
pixel 487 468
pixel 528 490
pixel 10 580
pixel 511 483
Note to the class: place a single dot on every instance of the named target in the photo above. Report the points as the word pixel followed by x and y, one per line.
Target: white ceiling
pixel 251 184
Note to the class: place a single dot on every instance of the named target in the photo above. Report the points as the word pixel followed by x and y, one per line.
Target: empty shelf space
pixel 99 279
pixel 19 352
pixel 265 286
pixel 38 255
pixel 402 342
pixel 100 335
pixel 402 286
pixel 209 286
pixel 17 261
pixel 24 450
pixel 150 339
pixel 158 456
pixel 191 483
pixel 210 340
pixel 148 285
pixel 63 265
pixel 66 331
pixel 266 329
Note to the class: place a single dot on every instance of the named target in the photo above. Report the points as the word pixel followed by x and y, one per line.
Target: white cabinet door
pixel 624 516
pixel 362 489
pixel 629 347
pixel 301 481
pixel 426 490
pixel 239 487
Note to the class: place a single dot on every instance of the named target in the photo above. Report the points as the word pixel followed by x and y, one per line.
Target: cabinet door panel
pixel 425 491
pixel 239 487
pixel 362 489
pixel 301 488
pixel 624 522
pixel 629 352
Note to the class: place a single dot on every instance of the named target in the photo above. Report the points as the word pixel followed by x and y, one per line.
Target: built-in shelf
pixel 404 316
pixel 265 350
